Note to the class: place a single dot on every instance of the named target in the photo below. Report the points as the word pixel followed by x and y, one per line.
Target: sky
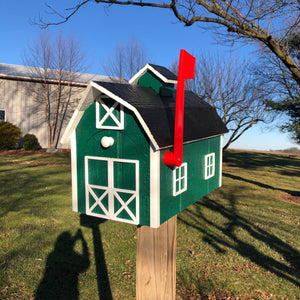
pixel 100 29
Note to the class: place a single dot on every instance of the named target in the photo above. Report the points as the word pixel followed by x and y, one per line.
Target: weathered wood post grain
pixel 156 262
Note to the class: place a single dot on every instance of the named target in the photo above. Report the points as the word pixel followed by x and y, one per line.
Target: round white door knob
pixel 107 141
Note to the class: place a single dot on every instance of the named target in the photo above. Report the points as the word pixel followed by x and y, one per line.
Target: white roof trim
pixel 130 107
pixel 145 69
pixel 111 95
pixel 88 99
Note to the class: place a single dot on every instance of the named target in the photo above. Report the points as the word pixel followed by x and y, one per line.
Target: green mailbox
pixel 120 133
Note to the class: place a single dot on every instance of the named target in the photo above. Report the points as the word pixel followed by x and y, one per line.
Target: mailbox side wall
pixel 129 144
pixel 197 186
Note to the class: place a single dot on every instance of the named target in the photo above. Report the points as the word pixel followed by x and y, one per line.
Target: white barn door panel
pixel 112 188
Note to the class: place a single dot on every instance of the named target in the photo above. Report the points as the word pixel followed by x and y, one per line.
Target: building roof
pixel 156 113
pixel 31 73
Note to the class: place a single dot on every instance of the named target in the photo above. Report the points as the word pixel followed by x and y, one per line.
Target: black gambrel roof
pixel 158 112
pixel 164 72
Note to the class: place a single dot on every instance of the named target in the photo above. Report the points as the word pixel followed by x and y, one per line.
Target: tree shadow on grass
pixel 260 184
pixel 254 160
pixel 227 237
pixel 62 269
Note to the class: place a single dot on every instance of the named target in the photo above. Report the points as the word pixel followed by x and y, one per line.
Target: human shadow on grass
pixel 191 217
pixel 104 290
pixel 62 269
pixel 260 184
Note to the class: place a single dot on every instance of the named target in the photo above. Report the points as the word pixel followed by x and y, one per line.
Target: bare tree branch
pixel 225 84
pixel 63 18
pixel 252 20
pixel 56 64
pixel 126 60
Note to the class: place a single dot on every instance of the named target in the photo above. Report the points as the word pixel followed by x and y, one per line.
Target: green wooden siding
pixel 129 144
pixel 150 80
pixel 197 186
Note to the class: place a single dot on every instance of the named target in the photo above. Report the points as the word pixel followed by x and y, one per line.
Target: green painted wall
pixel 197 186
pixel 129 143
pixel 150 80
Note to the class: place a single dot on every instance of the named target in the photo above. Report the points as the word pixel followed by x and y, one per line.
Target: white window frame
pixel 210 165
pixel 100 119
pixel 182 178
pixel 4 114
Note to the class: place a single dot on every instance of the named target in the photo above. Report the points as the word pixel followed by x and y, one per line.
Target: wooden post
pixel 156 262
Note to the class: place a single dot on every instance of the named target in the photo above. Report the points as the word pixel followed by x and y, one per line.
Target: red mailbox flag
pixel 186 70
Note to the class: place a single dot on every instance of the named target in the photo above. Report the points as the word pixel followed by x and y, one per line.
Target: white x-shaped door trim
pixel 98 199
pixel 124 205
pixel 112 192
pixel 100 118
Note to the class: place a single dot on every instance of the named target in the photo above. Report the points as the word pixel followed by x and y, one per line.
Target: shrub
pixel 9 136
pixel 30 142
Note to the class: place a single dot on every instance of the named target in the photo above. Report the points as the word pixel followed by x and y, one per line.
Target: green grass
pixel 241 241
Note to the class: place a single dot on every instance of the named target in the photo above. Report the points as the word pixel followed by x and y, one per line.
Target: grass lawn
pixel 240 242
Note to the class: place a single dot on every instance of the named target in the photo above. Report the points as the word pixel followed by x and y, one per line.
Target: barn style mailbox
pixel 120 133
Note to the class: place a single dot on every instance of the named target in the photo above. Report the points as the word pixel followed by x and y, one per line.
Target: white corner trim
pixel 221 160
pixel 154 188
pixel 74 172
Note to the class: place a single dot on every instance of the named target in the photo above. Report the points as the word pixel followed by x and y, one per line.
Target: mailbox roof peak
pixel 161 72
pixel 156 113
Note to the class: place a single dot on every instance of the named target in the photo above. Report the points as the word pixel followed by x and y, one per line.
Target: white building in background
pixel 18 101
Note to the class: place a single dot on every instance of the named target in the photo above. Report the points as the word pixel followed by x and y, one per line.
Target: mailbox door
pixel 112 188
